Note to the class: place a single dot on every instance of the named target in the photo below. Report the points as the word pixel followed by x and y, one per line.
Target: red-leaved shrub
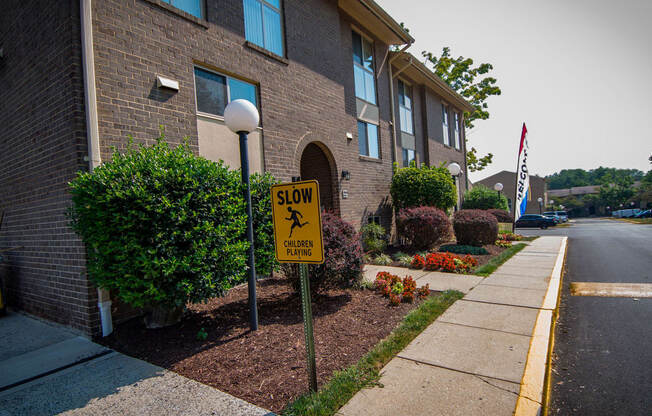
pixel 342 265
pixel 475 227
pixel 423 227
pixel 501 215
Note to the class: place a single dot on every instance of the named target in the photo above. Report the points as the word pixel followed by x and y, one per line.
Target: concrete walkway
pixel 47 370
pixel 486 355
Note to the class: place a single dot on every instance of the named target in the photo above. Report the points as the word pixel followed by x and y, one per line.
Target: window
pixel 444 125
pixel 368 139
pixel 193 7
pixel 373 219
pixel 408 156
pixel 457 130
pixel 363 69
pixel 263 24
pixel 215 91
pixel 405 107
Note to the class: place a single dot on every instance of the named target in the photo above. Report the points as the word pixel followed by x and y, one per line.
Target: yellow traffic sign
pixel 297 222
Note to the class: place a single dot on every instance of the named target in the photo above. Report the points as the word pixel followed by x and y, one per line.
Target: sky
pixel 577 72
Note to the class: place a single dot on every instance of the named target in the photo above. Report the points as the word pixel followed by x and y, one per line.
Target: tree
pixel 472 84
pixel 568 178
pixel 615 191
pixel 481 197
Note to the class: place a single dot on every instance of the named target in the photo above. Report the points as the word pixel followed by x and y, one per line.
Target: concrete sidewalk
pixel 47 370
pixel 486 355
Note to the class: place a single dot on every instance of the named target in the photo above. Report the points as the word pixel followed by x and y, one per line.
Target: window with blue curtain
pixel 363 69
pixel 263 24
pixel 193 7
pixel 214 91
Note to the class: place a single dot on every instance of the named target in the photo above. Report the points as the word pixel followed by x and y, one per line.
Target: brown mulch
pixel 266 367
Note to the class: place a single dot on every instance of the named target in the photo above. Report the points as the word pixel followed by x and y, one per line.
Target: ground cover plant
pixel 366 371
pixel 163 226
pixel 399 290
pixel 503 243
pixel 214 346
pixel 451 263
pixel 510 237
pixel 463 249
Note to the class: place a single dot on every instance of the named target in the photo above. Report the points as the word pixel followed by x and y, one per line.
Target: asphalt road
pixel 602 360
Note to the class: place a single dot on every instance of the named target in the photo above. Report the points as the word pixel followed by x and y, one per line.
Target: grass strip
pixel 530 238
pixel 366 372
pixel 486 269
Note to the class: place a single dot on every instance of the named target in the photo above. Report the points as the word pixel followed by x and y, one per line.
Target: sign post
pixel 298 239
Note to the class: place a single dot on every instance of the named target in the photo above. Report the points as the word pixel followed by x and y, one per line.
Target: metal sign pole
pixel 307 326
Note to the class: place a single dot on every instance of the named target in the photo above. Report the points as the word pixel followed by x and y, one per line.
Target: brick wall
pixel 307 97
pixel 42 146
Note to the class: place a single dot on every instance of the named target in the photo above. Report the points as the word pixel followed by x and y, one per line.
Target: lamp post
pixel 498 187
pixel 454 169
pixel 552 203
pixel 242 117
pixel 540 201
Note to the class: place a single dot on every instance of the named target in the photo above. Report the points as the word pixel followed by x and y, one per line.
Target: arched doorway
pixel 316 164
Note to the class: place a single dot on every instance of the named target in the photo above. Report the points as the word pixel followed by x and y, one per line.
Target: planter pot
pixel 160 317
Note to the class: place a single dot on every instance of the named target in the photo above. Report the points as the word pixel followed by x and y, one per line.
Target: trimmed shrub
pixel 373 238
pixel 342 254
pixel 423 227
pixel 481 197
pixel 261 211
pixel 501 215
pixel 418 186
pixel 475 227
pixel 461 249
pixel 163 226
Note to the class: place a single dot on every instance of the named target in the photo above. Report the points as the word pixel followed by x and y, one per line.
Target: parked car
pixel 563 215
pixel 644 214
pixel 553 215
pixel 535 221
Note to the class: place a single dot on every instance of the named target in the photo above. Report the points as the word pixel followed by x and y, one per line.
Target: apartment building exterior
pixel 79 76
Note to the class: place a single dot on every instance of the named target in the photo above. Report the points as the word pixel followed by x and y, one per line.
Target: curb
pixel 535 384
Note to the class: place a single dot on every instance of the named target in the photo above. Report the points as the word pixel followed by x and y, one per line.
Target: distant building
pixel 508 179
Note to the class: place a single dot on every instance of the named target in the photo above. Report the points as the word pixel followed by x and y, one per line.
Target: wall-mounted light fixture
pixel 349 135
pixel 346 175
pixel 162 82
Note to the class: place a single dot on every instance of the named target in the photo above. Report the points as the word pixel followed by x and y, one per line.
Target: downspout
pixel 391 103
pixel 92 134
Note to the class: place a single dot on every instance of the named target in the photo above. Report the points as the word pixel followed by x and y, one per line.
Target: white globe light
pixel 241 115
pixel 540 200
pixel 454 169
pixel 498 186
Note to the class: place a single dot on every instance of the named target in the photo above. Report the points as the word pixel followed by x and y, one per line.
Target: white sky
pixel 577 72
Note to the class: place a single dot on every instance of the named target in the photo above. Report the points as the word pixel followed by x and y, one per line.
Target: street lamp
pixel 540 201
pixel 552 203
pixel 454 169
pixel 242 117
pixel 498 187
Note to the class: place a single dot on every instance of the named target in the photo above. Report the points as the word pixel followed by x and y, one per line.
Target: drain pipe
pixel 92 134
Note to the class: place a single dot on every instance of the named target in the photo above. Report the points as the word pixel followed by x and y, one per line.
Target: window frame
pixel 228 91
pixel 367 124
pixel 406 86
pixel 407 160
pixel 202 8
pixel 364 38
pixel 456 130
pixel 445 123
pixel 262 17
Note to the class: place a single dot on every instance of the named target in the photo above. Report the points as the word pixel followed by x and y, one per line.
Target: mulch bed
pixel 266 367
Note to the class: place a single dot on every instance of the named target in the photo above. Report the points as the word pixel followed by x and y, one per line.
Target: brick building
pixel 78 76
pixel 538 189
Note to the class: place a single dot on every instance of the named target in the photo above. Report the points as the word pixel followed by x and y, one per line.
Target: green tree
pixel 472 83
pixel 615 191
pixel 481 197
pixel 418 186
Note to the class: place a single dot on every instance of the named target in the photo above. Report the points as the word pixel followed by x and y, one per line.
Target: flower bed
pixel 399 290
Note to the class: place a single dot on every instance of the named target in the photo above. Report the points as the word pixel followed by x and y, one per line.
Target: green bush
pixel 481 197
pixel 162 226
pixel 373 238
pixel 261 212
pixel 382 260
pixel 424 186
pixel 463 249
